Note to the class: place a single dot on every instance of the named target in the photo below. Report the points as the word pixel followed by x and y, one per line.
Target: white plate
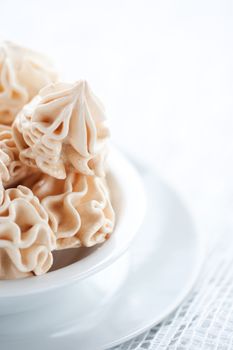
pixel 165 260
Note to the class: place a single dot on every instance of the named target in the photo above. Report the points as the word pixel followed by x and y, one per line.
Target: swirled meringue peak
pixel 23 73
pixel 63 128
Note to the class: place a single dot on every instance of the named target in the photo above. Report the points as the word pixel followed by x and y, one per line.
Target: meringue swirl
pixel 26 239
pixel 84 202
pixel 63 129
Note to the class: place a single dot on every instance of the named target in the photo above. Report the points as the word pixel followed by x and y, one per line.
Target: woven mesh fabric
pixel 204 321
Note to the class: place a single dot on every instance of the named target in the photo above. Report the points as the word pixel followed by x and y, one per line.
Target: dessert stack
pixel 53 146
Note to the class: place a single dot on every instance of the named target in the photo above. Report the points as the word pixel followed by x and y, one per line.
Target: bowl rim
pixel 132 213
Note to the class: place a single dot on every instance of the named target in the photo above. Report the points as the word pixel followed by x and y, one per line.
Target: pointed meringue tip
pixel 82 83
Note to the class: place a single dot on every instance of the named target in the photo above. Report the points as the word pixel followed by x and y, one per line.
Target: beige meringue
pixel 26 239
pixel 12 170
pixel 23 73
pixel 79 208
pixel 61 129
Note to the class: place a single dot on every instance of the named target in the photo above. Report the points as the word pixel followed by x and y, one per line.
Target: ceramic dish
pixel 37 292
pixel 155 274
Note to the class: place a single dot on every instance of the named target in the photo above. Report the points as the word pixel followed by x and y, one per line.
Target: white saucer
pixel 165 260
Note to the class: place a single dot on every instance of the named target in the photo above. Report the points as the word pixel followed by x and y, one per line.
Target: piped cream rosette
pixel 63 129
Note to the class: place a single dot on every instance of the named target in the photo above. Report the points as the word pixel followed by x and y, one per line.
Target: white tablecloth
pixel 204 321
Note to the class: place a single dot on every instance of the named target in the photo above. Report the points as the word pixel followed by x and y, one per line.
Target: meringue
pixel 63 129
pixel 83 201
pixel 23 73
pixel 53 147
pixel 12 170
pixel 26 239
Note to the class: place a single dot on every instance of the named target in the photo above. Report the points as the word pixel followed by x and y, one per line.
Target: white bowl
pixel 98 273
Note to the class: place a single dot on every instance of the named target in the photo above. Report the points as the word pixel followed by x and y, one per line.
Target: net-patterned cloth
pixel 204 321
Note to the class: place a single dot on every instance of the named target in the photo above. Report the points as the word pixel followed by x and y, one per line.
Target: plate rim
pixel 177 302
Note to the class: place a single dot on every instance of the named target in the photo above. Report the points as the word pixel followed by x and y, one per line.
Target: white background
pixel 164 70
